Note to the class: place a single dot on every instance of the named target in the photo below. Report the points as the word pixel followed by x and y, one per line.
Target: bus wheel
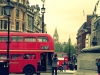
pixel 29 70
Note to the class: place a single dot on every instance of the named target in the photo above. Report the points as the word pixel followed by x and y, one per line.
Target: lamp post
pixel 94 41
pixel 8 9
pixel 43 11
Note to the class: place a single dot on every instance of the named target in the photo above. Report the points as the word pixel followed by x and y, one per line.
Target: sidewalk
pixel 67 71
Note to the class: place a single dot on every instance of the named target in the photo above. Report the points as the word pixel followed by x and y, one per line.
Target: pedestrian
pixel 54 64
pixel 98 65
pixel 70 65
pixel 64 65
pixel 61 68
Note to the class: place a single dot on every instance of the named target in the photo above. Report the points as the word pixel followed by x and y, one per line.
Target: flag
pixel 83 13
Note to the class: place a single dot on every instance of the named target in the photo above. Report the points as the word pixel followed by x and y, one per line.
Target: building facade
pixel 18 16
pixel 96 29
pixel 81 38
pixel 87 40
pixel 24 18
pixel 93 33
pixel 33 19
pixel 83 31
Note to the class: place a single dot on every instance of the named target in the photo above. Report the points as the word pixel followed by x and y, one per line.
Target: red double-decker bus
pixel 26 50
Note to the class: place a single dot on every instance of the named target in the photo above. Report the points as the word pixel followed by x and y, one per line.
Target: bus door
pixel 46 61
pixel 43 61
pixel 49 62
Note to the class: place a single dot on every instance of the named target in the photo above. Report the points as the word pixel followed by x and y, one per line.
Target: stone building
pixel 87 40
pixel 18 17
pixel 92 28
pixel 56 36
pixel 82 34
pixel 24 18
pixel 33 19
pixel 88 31
pixel 95 28
pixel 81 38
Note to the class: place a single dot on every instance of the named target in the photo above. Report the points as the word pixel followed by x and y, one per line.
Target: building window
pixel 29 21
pixel 17 25
pixel 24 2
pixel 5 24
pixel 32 23
pixel 17 13
pixel 23 16
pixel 4 12
pixel 23 27
pixel 1 11
pixel 1 23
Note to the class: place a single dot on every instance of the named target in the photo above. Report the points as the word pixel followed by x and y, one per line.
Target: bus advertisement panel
pixel 26 50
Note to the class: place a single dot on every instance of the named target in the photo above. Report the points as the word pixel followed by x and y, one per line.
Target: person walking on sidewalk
pixel 54 64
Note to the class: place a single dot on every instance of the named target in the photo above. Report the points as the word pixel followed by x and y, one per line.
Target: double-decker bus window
pixel 29 56
pixel 3 56
pixel 42 39
pixel 16 56
pixel 3 38
pixel 17 38
pixel 30 39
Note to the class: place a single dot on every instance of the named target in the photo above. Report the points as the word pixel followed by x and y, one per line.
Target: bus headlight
pixel 45 47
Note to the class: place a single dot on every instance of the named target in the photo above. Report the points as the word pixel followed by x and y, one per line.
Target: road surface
pixel 46 74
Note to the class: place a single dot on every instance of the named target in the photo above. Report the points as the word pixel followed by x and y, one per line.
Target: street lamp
pixel 43 11
pixel 8 9
pixel 94 41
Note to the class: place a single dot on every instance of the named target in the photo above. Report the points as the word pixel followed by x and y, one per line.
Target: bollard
pixel 38 68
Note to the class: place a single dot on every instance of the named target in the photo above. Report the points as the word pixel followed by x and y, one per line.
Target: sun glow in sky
pixel 66 15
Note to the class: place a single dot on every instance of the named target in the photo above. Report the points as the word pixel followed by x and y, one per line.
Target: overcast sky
pixel 66 15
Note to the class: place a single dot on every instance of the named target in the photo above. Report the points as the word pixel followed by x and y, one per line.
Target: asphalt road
pixel 46 74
